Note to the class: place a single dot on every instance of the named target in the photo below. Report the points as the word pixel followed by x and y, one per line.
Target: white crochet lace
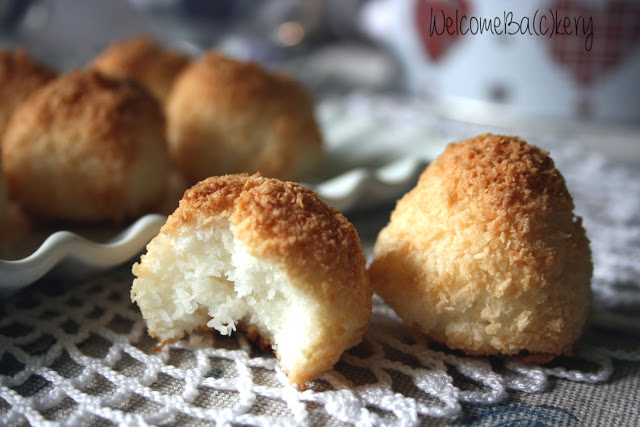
pixel 87 355
pixel 79 354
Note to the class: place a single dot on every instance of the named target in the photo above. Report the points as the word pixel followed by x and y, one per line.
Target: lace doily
pixel 79 354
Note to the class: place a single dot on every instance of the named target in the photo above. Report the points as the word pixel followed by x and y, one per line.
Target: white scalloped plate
pixel 369 162
pixel 68 254
pixel 363 188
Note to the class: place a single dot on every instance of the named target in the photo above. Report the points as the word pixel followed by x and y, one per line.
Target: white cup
pixel 563 59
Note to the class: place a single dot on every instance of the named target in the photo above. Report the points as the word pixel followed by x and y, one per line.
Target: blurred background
pixel 584 76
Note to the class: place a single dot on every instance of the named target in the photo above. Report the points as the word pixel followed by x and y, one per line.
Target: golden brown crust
pixel 508 179
pixel 485 254
pixel 227 116
pixel 79 147
pixel 20 75
pixel 212 197
pixel 143 60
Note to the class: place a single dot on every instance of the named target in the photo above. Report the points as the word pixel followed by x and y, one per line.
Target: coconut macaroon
pixel 485 254
pixel 20 75
pixel 143 60
pixel 264 256
pixel 227 116
pixel 87 147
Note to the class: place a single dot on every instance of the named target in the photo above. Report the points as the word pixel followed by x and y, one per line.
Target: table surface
pixel 78 352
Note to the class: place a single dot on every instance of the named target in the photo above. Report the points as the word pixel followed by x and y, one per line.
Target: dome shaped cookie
pixel 227 116
pixel 143 60
pixel 87 147
pixel 485 254
pixel 260 255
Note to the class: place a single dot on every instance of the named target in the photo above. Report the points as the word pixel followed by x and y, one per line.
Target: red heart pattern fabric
pixel 430 19
pixel 616 30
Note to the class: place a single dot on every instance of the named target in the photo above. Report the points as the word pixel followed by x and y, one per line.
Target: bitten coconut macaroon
pixel 145 61
pixel 485 254
pixel 227 116
pixel 87 147
pixel 264 256
pixel 20 76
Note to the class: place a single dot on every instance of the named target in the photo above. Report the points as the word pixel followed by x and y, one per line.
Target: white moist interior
pixel 205 276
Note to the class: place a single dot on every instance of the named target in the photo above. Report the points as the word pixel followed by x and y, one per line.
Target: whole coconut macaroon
pixel 228 116
pixel 87 147
pixel 485 254
pixel 141 59
pixel 264 256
